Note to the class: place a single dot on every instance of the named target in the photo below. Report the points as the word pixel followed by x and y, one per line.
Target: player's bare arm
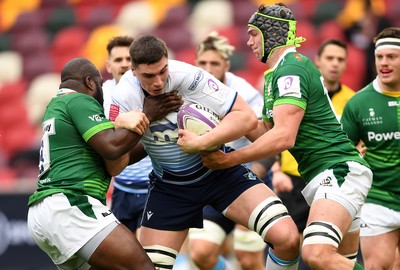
pixel 262 127
pixel 111 144
pixel 282 136
pixel 115 167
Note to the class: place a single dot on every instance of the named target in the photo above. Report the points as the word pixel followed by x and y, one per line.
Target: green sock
pixel 358 267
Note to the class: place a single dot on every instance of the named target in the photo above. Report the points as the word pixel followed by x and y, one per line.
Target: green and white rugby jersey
pixel 67 163
pixel 374 117
pixel 321 142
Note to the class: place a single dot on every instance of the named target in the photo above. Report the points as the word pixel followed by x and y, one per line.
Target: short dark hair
pixel 333 41
pixel 119 41
pixel 389 32
pixel 147 49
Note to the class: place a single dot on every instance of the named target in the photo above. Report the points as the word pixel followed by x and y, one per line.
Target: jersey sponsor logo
pixel 46 180
pixel 106 213
pixel 164 132
pixel 269 114
pixel 373 119
pixel 394 103
pixel 197 78
pixel 289 86
pixel 149 214
pixel 96 118
pixel 363 225
pixel 371 112
pixel 372 136
pixel 327 182
pixel 269 89
pixel 114 112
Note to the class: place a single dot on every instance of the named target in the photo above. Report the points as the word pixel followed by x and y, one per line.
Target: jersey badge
pixel 297 57
pixel 250 176
pixel 327 181
pixel 149 214
pixel 289 86
pixel 114 112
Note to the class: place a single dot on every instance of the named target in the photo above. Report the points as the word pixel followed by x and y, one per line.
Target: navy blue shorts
pixel 209 213
pixel 177 207
pixel 128 208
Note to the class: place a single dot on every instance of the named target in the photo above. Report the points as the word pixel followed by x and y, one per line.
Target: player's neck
pixel 275 56
pixel 332 86
pixel 389 88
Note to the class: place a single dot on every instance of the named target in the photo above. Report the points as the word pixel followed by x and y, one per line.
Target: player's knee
pixel 204 244
pixel 272 213
pixel 202 256
pixel 321 240
pixel 162 257
pixel 250 260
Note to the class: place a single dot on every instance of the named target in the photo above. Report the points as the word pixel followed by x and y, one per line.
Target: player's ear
pixel 108 66
pixel 90 83
pixel 228 65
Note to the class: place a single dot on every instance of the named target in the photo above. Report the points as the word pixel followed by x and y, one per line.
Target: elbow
pixel 285 139
pixel 252 122
pixel 287 143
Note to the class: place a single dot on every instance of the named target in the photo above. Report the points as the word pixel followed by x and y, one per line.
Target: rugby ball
pixel 197 118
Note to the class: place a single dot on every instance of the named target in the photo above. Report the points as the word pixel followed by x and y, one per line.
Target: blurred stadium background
pixel 38 36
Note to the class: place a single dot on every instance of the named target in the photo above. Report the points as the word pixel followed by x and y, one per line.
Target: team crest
pixel 326 182
pixel 250 176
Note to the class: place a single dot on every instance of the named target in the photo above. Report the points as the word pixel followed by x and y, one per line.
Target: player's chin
pixel 156 92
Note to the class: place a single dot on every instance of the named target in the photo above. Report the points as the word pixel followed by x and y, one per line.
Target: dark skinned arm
pixel 157 107
pixel 114 145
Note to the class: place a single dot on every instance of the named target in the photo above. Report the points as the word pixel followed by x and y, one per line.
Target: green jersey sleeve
pixel 89 121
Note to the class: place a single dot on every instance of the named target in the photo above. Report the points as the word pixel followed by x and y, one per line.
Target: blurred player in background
pixel 372 117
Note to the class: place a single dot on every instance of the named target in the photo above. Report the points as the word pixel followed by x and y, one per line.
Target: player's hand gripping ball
pixel 199 119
